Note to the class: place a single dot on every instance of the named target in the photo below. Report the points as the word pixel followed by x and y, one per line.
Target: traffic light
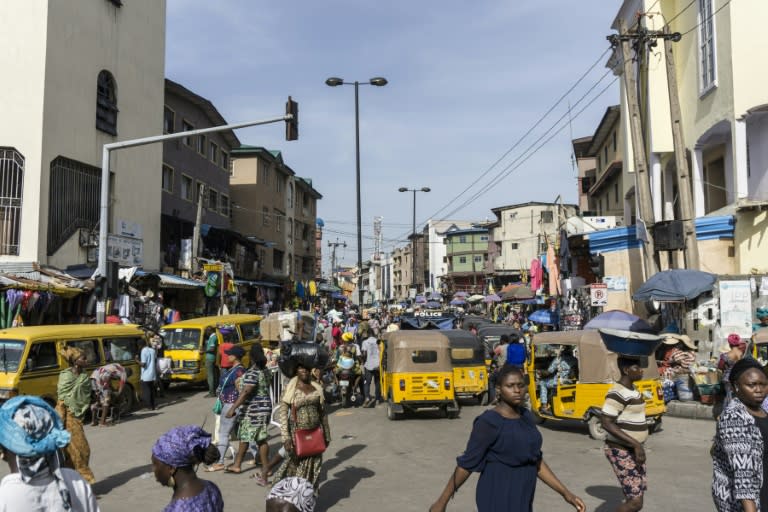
pixel 292 125
pixel 597 264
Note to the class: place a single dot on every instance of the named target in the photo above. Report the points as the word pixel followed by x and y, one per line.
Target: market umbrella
pixel 492 298
pixel 620 320
pixel 543 316
pixel 518 293
pixel 460 294
pixel 475 298
pixel 675 285
pixel 435 296
pixel 432 304
pixel 458 302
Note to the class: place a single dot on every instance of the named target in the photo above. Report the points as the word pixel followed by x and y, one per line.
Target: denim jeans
pixel 372 376
pixel 211 371
pixel 225 428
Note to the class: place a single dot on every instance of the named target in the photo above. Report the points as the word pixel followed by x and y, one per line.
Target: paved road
pixel 374 464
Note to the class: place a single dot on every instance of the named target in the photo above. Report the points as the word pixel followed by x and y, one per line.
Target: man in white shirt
pixel 31 434
pixel 370 350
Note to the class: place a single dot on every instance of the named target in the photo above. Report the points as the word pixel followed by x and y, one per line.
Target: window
pixel 483 238
pixel 12 351
pixel 213 152
pixel 224 205
pixel 478 259
pixel 168 178
pixel 305 232
pixel 250 331
pixel 187 127
pixel 121 350
pixel 605 154
pixel 213 200
pixel 462 259
pixel 187 188
pixel 305 200
pixel 264 175
pixel 277 260
pixel 547 217
pixel 290 228
pixel 201 144
pixel 265 216
pixel 616 193
pixel 543 247
pixel 599 164
pixel 424 356
pixel 90 348
pixel 514 246
pixel 463 239
pixel 74 199
pixel 41 356
pixel 279 219
pixel 290 195
pixel 600 206
pixel 106 103
pixel 11 190
pixel 614 142
pixel 169 120
pixel 279 184
pixel 707 59
pixel 224 157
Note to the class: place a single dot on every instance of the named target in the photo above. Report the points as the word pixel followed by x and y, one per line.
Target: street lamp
pixel 413 235
pixel 378 82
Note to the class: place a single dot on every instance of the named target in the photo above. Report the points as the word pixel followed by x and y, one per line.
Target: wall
pixel 522 225
pixel 752 250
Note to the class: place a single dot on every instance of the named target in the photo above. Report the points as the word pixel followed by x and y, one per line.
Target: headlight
pixel 6 394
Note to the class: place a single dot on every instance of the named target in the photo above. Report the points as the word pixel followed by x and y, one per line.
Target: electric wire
pixel 706 19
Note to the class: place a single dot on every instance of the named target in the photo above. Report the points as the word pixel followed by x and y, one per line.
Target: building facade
pixel 467 254
pixel 82 88
pixel 436 258
pixel 606 190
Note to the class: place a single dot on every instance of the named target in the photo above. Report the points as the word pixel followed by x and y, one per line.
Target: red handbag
pixel 307 442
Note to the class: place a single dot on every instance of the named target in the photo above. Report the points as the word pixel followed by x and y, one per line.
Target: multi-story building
pixel 585 166
pixel 87 73
pixel 606 190
pixel 437 261
pixel 189 164
pixel 277 209
pixel 401 272
pixel 467 254
pixel 319 225
pixel 520 234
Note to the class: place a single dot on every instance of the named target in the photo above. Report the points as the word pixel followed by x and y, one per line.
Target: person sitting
pixel 101 383
pixel 516 353
pixel 346 360
pixel 31 435
pixel 559 372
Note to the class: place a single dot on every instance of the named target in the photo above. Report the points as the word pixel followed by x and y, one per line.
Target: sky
pixel 468 83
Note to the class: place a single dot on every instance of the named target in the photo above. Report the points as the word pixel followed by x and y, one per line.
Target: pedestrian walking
pixel 623 418
pixel 371 356
pixel 737 350
pixel 31 435
pixel 228 394
pixel 148 363
pixel 739 480
pixel 505 448
pixel 210 347
pixel 74 399
pixel 175 456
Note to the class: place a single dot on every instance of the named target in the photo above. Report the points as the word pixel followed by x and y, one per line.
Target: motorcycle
pixel 348 381
pixel 330 387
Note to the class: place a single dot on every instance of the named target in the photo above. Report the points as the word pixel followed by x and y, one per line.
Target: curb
pixel 692 410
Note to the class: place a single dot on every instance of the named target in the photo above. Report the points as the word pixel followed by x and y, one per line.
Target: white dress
pixel 42 494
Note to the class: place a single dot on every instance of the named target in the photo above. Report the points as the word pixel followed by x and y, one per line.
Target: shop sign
pixel 598 294
pixel 212 267
pixel 736 308
pixel 128 252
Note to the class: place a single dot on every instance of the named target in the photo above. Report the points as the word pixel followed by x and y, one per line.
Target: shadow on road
pixel 104 486
pixel 340 487
pixel 345 453
pixel 611 496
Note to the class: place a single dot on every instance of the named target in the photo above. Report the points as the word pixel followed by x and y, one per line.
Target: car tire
pixel 596 430
pixel 126 400
pixel 484 399
pixel 391 414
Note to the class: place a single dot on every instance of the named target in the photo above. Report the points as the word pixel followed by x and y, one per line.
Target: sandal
pixel 214 468
pixel 232 469
pixel 260 480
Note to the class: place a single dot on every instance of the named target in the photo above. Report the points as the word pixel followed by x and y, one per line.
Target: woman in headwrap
pixel 74 399
pixel 739 457
pixel 304 397
pixel 292 494
pixel 737 350
pixel 175 457
pixel 31 435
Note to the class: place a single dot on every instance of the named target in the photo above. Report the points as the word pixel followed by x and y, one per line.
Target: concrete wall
pixel 752 250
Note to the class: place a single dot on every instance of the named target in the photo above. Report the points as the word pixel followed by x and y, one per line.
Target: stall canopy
pixel 618 319
pixel 172 281
pixel 544 316
pixel 675 285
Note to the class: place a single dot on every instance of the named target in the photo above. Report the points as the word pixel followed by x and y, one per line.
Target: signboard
pixel 212 267
pixel 598 294
pixel 736 308
pixel 128 252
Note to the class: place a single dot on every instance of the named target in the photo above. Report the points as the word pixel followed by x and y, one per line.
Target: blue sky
pixel 466 80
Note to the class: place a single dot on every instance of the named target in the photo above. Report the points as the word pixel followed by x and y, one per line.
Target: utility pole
pixel 643 186
pixel 196 232
pixel 333 246
pixel 681 162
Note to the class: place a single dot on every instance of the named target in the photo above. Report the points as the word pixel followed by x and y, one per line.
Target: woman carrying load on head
pixel 74 399
pixel 31 435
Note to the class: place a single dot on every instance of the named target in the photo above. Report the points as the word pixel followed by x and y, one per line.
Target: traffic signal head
pixel 292 125
pixel 597 264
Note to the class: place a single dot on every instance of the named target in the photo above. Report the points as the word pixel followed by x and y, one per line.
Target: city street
pixel 376 464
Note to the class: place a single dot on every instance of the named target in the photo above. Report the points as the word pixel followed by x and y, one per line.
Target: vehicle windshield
pixel 10 355
pixel 467 355
pixel 181 339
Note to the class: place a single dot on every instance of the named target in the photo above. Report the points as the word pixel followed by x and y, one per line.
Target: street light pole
pixel 379 82
pixel 413 231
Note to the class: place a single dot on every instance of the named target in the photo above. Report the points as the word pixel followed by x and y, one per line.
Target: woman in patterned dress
pixel 306 396
pixel 257 407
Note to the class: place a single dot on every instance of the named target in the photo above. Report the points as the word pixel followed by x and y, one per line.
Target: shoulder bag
pixel 307 442
pixel 218 405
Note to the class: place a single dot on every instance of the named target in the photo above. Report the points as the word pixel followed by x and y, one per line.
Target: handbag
pixel 307 442
pixel 218 405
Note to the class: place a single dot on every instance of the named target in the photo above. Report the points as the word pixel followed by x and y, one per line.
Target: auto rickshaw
pixel 490 335
pixel 470 375
pixel 416 373
pixel 760 346
pixel 581 397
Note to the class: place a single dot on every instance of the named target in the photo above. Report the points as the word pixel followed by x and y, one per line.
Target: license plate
pixel 343 383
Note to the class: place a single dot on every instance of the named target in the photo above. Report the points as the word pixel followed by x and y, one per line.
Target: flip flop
pixel 260 480
pixel 214 468
pixel 230 469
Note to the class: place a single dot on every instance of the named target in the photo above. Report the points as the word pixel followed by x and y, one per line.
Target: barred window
pixel 73 198
pixel 106 103
pixel 11 190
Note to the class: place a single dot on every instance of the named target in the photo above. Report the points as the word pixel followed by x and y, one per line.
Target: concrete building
pixel 467 254
pixel 437 261
pixel 276 209
pixel 401 272
pixel 586 169
pixel 80 74
pixel 189 163
pixel 606 189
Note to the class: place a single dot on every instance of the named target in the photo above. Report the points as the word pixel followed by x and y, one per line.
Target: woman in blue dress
pixel 505 448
